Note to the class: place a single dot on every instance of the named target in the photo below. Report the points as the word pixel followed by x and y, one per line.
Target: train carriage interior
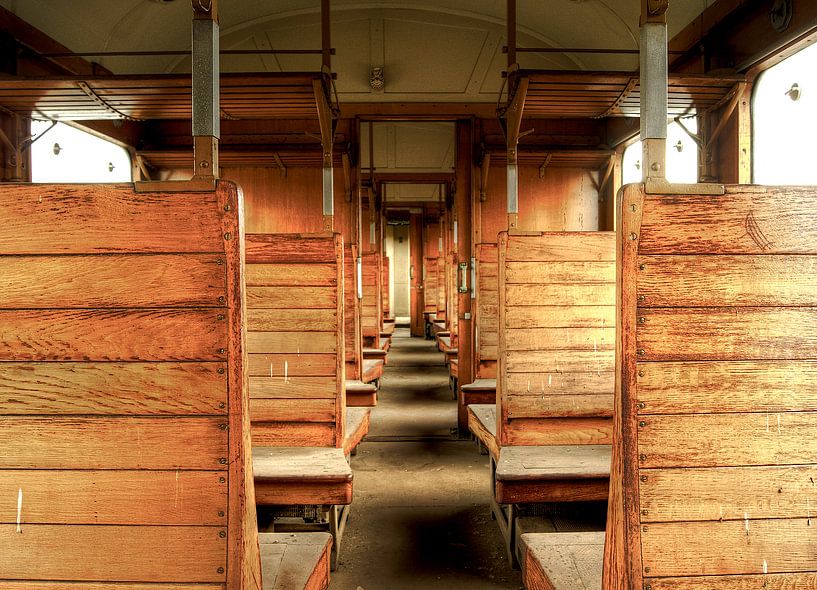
pixel 453 295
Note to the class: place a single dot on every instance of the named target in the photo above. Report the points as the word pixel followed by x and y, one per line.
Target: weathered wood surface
pixel 301 475
pixel 517 463
pixel 125 449
pixel 357 426
pixel 295 561
pixel 562 561
pixel 487 307
pixel 482 424
pixel 718 347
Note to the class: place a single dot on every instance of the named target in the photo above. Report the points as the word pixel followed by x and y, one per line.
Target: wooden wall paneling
pixel 416 260
pixel 352 321
pixel 124 421
pixel 372 303
pixel 487 310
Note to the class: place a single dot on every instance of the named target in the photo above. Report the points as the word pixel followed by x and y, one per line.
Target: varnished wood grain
pixel 112 388
pixel 751 280
pixel 565 431
pixel 28 585
pixel 709 440
pixel 556 406
pixel 117 443
pixel 727 493
pixel 293 434
pixel 726 386
pixel 291 297
pixel 553 383
pixel 112 553
pixel 292 342
pixel 562 294
pixel 775 220
pixel 77 219
pixel 798 581
pixel 294 387
pixel 285 274
pixel 289 249
pixel 724 548
pixel 564 361
pixel 308 320
pixel 292 410
pixel 111 281
pixel 595 339
pixel 563 246
pixel 727 333
pixel 560 272
pixel 113 335
pixel 115 497
pixel 282 366
pixel 560 316
pixel 559 561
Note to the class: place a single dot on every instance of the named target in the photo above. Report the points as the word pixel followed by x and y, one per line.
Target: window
pixel 682 156
pixel 61 153
pixel 784 117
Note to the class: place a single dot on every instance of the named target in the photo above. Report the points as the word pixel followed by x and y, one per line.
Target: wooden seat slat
pixel 562 561
pixel 295 560
pixel 482 424
pixel 296 463
pixel 553 462
pixel 372 369
pixel 357 426
pixel 480 385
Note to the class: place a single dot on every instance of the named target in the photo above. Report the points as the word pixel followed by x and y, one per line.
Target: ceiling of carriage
pixel 430 50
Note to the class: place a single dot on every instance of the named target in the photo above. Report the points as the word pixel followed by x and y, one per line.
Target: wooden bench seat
pixel 293 561
pixel 482 424
pixel 552 473
pixel 562 561
pixel 374 353
pixel 372 370
pixel 438 327
pixel 360 394
pixel 301 475
pixel 481 391
pixel 357 426
pixel 388 326
pixel 443 342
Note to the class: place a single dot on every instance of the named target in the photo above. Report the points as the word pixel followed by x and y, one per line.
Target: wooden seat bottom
pixel 481 391
pixel 374 353
pixel 357 426
pixel 372 369
pixel 482 424
pixel 555 473
pixel 301 475
pixel 359 394
pixel 295 561
pixel 562 561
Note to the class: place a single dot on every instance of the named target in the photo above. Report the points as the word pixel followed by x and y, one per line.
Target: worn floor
pixel 420 517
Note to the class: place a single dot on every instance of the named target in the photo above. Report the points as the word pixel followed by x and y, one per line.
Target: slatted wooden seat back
pixel 295 339
pixel 430 284
pixel 719 340
pixel 487 310
pixel 372 304
pixel 124 455
pixel 384 286
pixel 352 321
pixel 442 307
pixel 556 338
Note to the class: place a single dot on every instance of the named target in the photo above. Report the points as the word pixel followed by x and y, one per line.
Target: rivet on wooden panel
pixel 642 424
pixel 643 513
pixel 641 298
pixel 648 587
pixel 642 320
pixel 220 570
pixel 222 299
pixel 221 513
pixel 643 477
pixel 633 236
pixel 227 207
pixel 222 460
pixel 220 317
pixel 222 350
pixel 220 370
pixel 228 236
pixel 641 405
pixel 641 373
pixel 643 457
pixel 222 426
pixel 222 534
pixel 219 261
pixel 644 530
pixel 647 568
pixel 222 480
pixel 222 405
pixel 642 266
pixel 640 352
pixel 633 207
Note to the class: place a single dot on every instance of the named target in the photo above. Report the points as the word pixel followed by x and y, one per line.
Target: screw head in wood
pixel 647 568
pixel 227 207
pixel 228 236
pixel 633 236
pixel 641 405
pixel 222 350
pixel 640 352
pixel 643 477
pixel 220 570
pixel 220 370
pixel 643 457
pixel 219 261
pixel 222 299
pixel 641 373
pixel 222 426
pixel 222 460
pixel 642 320
pixel 642 266
pixel 221 480
pixel 222 405
pixel 642 424
pixel 641 297
pixel 221 513
pixel 222 534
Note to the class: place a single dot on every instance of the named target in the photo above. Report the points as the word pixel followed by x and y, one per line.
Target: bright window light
pixel 65 154
pixel 682 156
pixel 784 114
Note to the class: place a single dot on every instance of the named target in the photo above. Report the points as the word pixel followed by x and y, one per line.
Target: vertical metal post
pixel 654 81
pixel 205 83
pixel 325 116
pixel 511 18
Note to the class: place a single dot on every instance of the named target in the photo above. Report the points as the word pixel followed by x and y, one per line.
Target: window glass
pixel 784 119
pixel 682 155
pixel 61 153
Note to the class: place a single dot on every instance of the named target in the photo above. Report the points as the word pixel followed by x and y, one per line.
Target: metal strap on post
pixel 654 81
pixel 205 83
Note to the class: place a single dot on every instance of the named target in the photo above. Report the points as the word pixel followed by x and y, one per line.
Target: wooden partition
pixel 384 287
pixel 352 325
pixel 371 315
pixel 718 348
pixel 556 337
pixel 430 284
pixel 124 457
pixel 487 310
pixel 295 339
pixel 442 278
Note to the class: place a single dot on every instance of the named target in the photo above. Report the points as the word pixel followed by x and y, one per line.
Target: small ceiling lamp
pixel 377 80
